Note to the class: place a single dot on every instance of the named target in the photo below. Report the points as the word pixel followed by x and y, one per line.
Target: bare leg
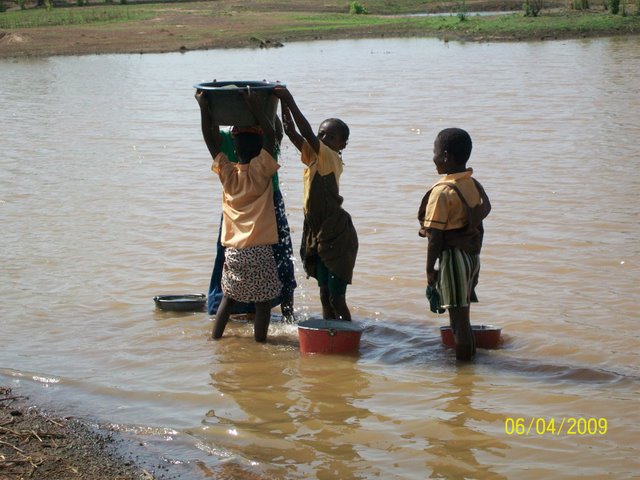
pixel 261 323
pixel 222 316
pixel 328 312
pixel 339 304
pixel 462 332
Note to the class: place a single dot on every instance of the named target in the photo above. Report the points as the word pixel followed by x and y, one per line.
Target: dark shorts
pixel 326 277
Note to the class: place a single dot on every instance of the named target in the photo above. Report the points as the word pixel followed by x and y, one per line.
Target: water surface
pixel 107 200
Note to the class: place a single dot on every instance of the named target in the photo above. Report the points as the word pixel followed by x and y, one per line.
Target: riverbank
pixel 39 446
pixel 168 27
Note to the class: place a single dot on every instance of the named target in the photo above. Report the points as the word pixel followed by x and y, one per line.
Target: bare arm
pixel 290 128
pixel 268 132
pixel 303 125
pixel 279 130
pixel 210 132
pixel 434 249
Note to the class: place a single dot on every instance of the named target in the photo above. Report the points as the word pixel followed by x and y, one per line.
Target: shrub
pixel 615 6
pixel 581 4
pixel 462 11
pixel 532 8
pixel 356 8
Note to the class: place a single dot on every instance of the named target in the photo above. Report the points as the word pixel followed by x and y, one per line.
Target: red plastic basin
pixel 329 336
pixel 486 336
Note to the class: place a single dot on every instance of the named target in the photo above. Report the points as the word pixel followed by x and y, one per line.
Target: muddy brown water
pixel 107 200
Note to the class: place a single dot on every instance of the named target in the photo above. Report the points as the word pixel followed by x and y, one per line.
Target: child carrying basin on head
pixel 249 228
pixel 283 250
pixel 450 216
pixel 329 239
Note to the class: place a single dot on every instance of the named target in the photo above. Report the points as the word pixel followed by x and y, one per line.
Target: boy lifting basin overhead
pixel 329 239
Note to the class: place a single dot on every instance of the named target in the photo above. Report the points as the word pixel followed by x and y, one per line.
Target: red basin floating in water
pixel 486 336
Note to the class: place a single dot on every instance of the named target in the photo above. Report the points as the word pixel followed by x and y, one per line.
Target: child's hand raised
pixel 201 98
pixel 287 120
pixel 282 92
pixel 210 132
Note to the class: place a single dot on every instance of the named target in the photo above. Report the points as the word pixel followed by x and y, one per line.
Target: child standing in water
pixel 249 228
pixel 283 250
pixel 329 239
pixel 450 216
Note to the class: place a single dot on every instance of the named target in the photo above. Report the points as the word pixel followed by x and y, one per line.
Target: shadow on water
pixel 420 344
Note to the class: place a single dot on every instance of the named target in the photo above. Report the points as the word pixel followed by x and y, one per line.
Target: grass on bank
pixel 570 23
pixel 290 24
pixel 504 25
pixel 41 17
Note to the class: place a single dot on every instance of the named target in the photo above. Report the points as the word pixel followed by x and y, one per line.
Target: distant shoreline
pixel 181 27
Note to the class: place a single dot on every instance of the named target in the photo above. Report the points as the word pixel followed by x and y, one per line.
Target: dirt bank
pixel 41 445
pixel 175 27
pixel 35 445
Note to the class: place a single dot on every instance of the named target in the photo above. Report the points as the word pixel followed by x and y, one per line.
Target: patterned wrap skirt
pixel 250 274
pixel 457 278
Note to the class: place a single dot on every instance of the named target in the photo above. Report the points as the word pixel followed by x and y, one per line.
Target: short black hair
pixel 247 145
pixel 343 128
pixel 457 142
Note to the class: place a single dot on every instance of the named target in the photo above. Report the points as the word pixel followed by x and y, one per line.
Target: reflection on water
pixel 107 200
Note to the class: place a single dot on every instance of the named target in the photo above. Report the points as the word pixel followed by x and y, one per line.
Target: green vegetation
pixel 50 17
pixel 549 25
pixel 462 11
pixel 532 8
pixel 570 23
pixel 321 23
pixel 219 24
pixel 356 8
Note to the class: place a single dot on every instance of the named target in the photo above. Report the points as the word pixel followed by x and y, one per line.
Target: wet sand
pixel 35 444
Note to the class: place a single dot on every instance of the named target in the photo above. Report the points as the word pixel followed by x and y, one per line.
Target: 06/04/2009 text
pixel 557 427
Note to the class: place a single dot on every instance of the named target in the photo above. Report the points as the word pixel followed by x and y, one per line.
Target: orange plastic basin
pixel 486 336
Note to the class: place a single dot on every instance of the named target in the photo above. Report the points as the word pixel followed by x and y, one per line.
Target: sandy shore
pixel 36 445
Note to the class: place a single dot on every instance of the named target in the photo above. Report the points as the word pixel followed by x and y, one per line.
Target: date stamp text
pixel 555 426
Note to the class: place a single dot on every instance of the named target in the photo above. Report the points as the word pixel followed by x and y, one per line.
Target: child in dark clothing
pixel 451 217
pixel 329 239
